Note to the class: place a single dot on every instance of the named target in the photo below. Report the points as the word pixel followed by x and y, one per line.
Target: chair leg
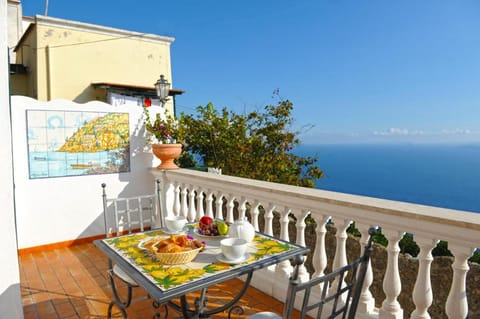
pixel 156 306
pixel 120 306
pixel 118 299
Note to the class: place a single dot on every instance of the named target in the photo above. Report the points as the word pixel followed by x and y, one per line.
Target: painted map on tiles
pixel 70 143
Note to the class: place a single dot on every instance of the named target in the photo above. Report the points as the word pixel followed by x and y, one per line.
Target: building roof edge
pixel 57 22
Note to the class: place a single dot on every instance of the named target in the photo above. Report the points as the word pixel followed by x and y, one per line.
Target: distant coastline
pixel 441 175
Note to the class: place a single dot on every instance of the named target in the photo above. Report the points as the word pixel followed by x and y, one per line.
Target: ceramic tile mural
pixel 70 143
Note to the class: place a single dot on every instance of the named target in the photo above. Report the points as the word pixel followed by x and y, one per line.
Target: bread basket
pixel 177 258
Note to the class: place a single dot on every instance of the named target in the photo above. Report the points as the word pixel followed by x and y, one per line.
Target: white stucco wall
pixel 10 300
pixel 58 209
pixel 15 26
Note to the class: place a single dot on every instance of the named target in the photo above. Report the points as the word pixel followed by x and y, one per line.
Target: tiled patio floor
pixel 71 283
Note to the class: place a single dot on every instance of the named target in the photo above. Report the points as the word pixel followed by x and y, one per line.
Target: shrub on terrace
pixel 258 145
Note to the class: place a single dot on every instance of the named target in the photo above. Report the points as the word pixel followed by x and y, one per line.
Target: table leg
pixel 201 311
pixel 207 313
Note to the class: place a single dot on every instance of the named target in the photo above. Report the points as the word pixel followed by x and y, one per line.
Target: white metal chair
pixel 124 216
pixel 337 300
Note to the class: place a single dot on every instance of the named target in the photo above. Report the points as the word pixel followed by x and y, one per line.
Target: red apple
pixel 205 220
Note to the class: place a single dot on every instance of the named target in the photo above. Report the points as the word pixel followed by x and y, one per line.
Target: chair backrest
pixel 129 214
pixel 334 295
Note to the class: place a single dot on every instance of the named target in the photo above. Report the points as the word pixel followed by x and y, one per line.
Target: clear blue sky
pixel 359 71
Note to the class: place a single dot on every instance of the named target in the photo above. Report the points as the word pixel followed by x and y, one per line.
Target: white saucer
pixel 223 259
pixel 170 232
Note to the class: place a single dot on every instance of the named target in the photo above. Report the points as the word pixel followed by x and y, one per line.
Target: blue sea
pixel 445 176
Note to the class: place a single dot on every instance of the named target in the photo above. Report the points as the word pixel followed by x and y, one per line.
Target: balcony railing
pixel 271 206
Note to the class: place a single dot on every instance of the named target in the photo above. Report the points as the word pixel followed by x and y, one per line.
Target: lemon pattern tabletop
pixel 207 263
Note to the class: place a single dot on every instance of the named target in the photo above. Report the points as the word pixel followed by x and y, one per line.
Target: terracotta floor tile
pixel 65 310
pixel 30 315
pixel 72 283
pixel 45 307
pixel 82 311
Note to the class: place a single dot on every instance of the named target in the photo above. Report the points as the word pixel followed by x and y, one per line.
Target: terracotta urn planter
pixel 167 153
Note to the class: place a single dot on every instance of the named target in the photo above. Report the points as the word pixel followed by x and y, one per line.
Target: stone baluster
pixel 209 203
pixel 392 286
pixel 319 259
pixel 366 304
pixel 284 221
pixel 457 304
pixel 284 268
pixel 300 240
pixel 242 208
pixel 269 220
pixel 184 202
pixel 422 292
pixel 340 258
pixel 230 206
pixel 192 212
pixel 176 200
pixel 219 204
pixel 200 211
pixel 255 212
pixel 167 194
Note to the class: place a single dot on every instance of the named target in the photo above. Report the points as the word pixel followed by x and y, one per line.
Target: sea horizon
pixel 443 175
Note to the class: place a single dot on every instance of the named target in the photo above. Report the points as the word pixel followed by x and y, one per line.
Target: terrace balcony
pixel 396 286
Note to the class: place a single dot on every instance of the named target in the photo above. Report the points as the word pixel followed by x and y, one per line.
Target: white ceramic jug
pixel 242 229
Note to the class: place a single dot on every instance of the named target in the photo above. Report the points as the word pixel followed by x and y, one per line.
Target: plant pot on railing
pixel 167 153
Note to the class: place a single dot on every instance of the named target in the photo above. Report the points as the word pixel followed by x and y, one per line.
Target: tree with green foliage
pixel 258 145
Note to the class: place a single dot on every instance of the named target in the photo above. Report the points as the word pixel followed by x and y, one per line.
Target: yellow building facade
pixel 81 62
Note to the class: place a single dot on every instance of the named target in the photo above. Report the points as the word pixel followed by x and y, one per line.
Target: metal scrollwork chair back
pixel 323 297
pixel 123 216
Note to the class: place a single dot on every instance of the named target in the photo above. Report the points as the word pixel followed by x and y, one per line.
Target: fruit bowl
pixel 208 227
pixel 197 233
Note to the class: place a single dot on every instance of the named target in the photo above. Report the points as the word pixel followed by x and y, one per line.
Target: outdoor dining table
pixel 164 283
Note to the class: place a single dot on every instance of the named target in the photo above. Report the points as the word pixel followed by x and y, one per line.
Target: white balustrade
pixel 255 213
pixel 269 220
pixel 340 258
pixel 183 201
pixel 200 211
pixel 391 283
pixel 209 203
pixel 176 200
pixel 366 305
pixel 187 192
pixel 319 260
pixel 422 292
pixel 219 206
pixel 230 207
pixel 457 306
pixel 301 225
pixel 192 209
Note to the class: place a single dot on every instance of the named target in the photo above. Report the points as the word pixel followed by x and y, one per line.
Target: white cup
pixel 233 248
pixel 175 223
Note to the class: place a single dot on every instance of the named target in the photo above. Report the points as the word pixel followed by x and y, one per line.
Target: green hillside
pixel 104 133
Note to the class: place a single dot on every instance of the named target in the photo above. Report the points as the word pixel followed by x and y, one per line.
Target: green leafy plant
pixel 163 129
pixel 258 145
pixel 186 159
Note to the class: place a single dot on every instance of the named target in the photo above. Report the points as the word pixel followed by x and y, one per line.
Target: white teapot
pixel 242 229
